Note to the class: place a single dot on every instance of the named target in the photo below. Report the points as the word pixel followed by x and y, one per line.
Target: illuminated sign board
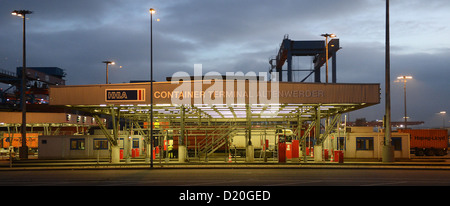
pixel 124 95
pixel 216 93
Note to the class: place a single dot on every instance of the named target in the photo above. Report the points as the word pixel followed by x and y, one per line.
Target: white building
pixel 86 146
pixel 364 143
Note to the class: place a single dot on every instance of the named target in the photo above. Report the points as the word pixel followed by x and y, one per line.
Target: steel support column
pixel 249 150
pixel 115 150
pixel 181 140
pixel 289 65
pixel 318 143
pixel 333 69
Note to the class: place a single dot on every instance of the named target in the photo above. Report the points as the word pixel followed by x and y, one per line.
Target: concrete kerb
pixel 321 165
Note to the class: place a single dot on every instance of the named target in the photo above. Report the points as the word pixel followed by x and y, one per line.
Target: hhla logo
pixel 219 94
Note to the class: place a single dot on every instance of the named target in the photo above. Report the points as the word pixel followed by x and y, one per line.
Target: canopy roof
pixel 218 100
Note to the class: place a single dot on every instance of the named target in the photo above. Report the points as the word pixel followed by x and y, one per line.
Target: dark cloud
pixel 234 35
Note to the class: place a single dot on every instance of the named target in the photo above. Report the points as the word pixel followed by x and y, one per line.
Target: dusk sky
pixel 236 35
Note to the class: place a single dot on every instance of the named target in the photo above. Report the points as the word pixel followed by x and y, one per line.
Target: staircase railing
pixel 215 140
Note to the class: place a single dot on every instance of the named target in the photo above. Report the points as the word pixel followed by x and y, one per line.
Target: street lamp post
pixel 326 51
pixel 152 11
pixel 108 63
pixel 23 151
pixel 443 118
pixel 387 153
pixel 404 79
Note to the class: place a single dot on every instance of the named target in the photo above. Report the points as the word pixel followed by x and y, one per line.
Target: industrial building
pixel 198 127
pixel 55 122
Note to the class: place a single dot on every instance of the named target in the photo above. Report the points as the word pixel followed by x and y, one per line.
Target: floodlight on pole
pixel 152 11
pixel 108 63
pixel 23 150
pixel 443 113
pixel 404 78
pixel 387 152
pixel 326 51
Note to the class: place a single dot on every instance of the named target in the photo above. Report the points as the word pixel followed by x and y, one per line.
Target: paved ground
pixel 289 181
pixel 36 164
pixel 227 177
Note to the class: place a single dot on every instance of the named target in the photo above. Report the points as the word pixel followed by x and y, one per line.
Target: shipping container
pixel 430 142
pixel 32 140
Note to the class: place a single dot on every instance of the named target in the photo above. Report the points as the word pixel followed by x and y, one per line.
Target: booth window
pixel 77 144
pixel 364 143
pixel 100 144
pixel 397 143
pixel 135 142
pixel 341 143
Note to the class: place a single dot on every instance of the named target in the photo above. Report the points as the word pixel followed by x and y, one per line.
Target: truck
pixel 429 142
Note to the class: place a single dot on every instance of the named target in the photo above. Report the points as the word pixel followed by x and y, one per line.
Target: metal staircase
pixel 215 140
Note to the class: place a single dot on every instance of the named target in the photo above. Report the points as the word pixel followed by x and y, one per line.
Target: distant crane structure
pixel 37 80
pixel 317 49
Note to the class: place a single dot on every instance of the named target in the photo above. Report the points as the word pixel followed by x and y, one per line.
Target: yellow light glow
pixel 404 77
pixel 152 11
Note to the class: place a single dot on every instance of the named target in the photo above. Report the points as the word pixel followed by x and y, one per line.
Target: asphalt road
pixel 227 177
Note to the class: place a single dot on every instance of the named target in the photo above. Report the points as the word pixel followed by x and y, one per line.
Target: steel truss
pixel 219 121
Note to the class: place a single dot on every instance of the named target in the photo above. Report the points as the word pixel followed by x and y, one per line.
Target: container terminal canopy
pixel 218 100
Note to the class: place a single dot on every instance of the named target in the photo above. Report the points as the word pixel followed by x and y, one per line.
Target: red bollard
pixel 336 156
pixel 281 152
pixel 288 150
pixel 154 153
pixel 133 153
pixel 341 156
pixel 295 148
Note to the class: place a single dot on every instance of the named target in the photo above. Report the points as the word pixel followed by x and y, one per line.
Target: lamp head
pixel 328 35
pixel 21 12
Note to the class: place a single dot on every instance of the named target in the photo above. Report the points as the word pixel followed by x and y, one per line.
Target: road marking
pixel 210 183
pixel 386 183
